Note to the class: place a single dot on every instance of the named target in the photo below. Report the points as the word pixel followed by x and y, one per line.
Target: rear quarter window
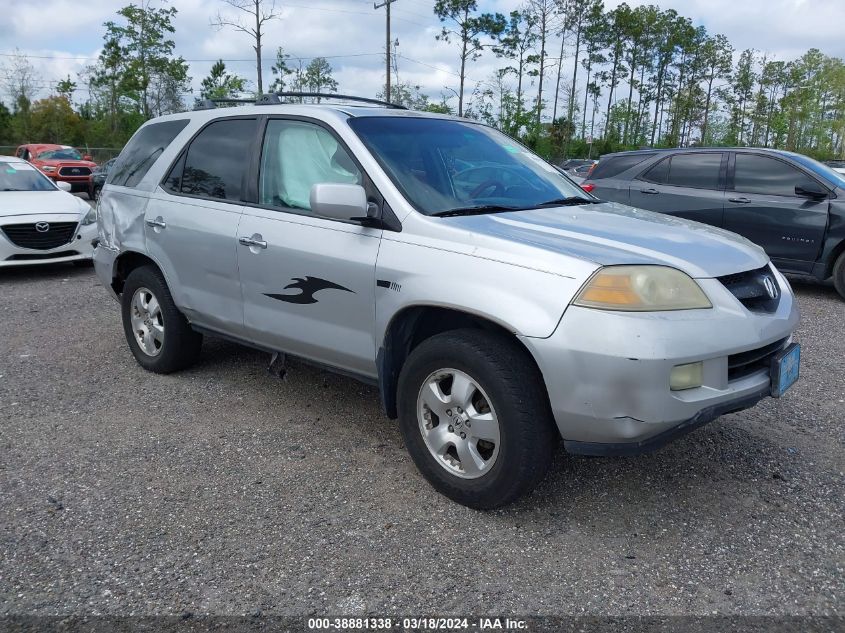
pixel 615 165
pixel 142 151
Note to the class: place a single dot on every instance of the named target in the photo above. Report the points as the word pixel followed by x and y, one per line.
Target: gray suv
pixel 791 205
pixel 497 307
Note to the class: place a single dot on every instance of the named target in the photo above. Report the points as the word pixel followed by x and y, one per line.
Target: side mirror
pixel 87 157
pixel 64 186
pixel 338 201
pixel 811 189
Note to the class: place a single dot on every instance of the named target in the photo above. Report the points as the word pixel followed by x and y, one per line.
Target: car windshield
pixel 447 167
pixel 833 177
pixel 23 177
pixel 63 153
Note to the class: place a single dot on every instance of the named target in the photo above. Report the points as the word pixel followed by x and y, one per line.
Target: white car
pixel 40 222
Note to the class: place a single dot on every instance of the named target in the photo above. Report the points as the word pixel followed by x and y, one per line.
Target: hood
pixel 611 233
pixel 15 203
pixel 66 162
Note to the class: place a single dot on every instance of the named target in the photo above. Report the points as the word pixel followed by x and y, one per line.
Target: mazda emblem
pixel 42 227
pixel 771 288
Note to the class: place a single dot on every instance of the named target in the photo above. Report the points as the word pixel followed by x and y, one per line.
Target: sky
pixel 64 36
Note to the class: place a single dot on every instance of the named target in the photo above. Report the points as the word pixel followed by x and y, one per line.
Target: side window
pixel 659 173
pixel 142 151
pixel 216 161
pixel 761 174
pixel 699 171
pixel 615 165
pixel 297 155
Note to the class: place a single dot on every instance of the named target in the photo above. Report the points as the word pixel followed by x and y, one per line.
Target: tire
pixel 147 308
pixel 505 386
pixel 839 275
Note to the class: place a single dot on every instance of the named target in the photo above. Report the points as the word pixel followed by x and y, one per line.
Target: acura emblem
pixel 42 227
pixel 771 288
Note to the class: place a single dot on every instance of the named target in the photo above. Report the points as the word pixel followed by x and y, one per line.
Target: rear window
pixel 693 170
pixel 615 165
pixel 143 150
pixel 216 161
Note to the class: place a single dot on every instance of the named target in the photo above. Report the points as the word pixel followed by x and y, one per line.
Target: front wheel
pixel 160 337
pixel 475 417
pixel 839 275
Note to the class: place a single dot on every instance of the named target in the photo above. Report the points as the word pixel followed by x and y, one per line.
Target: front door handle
pixel 739 200
pixel 158 223
pixel 650 191
pixel 255 241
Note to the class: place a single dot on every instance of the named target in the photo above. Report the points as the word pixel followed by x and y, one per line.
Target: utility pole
pixel 386 4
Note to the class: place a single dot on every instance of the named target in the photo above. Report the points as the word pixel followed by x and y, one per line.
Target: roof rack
pixel 275 98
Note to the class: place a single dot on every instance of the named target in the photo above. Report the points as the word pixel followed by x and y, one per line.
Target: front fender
pixel 522 300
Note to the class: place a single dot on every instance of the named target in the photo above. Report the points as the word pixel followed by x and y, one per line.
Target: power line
pixel 90 58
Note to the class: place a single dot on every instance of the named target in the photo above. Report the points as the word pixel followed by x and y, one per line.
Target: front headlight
pixel 90 217
pixel 48 168
pixel 641 289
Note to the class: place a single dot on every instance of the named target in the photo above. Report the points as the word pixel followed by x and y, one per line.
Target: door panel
pixel 197 250
pixel 763 207
pixel 790 229
pixel 308 282
pixel 701 205
pixel 687 185
pixel 311 290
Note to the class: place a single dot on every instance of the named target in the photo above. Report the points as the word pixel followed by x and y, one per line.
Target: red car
pixel 59 162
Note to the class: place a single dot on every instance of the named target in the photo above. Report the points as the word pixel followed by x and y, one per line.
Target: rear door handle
pixel 650 191
pixel 255 240
pixel 158 223
pixel 739 200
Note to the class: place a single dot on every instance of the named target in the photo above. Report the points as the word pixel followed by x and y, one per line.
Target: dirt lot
pixel 224 490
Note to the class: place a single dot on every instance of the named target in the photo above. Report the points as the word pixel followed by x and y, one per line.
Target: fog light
pixel 687 376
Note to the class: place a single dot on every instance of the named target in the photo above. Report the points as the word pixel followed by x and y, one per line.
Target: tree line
pixel 573 78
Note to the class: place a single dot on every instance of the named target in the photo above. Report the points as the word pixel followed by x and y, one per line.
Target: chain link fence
pixel 98 154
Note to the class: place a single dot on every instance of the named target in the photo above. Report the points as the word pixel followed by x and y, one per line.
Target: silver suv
pixel 497 306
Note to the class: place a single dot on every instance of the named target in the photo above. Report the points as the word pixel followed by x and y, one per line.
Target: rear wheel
pixel 160 337
pixel 475 417
pixel 839 275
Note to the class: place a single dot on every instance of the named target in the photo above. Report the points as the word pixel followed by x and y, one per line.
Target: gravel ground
pixel 223 490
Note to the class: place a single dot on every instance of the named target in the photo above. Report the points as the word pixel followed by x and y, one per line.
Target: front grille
pixel 27 257
pixel 746 363
pixel 28 236
pixel 758 290
pixel 74 171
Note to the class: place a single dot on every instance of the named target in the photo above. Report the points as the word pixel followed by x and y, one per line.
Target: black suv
pixel 791 205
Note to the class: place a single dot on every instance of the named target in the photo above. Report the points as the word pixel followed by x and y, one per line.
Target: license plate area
pixel 785 369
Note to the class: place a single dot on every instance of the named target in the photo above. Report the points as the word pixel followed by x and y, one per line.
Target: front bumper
pixel 607 373
pixel 77 248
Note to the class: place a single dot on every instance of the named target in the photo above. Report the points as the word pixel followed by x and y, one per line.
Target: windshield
pixel 444 166
pixel 23 177
pixel 63 153
pixel 833 177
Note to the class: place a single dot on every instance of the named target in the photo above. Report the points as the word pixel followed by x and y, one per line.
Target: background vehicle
pixel 98 179
pixel 791 205
pixel 40 222
pixel 496 305
pixel 61 163
pixel 836 165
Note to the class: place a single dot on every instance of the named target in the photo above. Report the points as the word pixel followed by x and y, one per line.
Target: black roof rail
pixel 275 98
pixel 324 95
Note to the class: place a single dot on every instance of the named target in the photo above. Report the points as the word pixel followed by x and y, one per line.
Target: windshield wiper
pixel 562 202
pixel 477 210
